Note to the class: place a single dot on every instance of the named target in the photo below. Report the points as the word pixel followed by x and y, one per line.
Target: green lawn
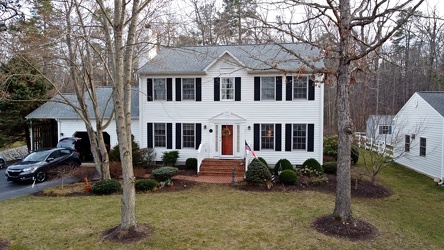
pixel 212 216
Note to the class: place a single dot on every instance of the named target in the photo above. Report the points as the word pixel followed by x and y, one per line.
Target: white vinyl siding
pixel 248 111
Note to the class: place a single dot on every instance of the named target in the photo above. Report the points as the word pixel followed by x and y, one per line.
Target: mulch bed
pixel 363 189
pixel 355 230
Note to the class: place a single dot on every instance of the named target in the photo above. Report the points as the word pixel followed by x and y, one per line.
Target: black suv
pixel 36 165
pixel 72 142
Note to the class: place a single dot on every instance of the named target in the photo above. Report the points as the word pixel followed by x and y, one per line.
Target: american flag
pixel 247 147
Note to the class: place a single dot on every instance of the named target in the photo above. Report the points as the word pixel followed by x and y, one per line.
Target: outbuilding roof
pixel 434 99
pixel 56 108
pixel 260 57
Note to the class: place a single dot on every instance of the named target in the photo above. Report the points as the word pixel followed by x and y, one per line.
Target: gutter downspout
pixel 441 182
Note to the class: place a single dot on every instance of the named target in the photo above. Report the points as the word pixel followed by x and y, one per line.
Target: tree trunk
pixel 342 209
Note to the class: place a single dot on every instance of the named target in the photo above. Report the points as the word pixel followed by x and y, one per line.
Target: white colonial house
pixel 421 124
pixel 207 102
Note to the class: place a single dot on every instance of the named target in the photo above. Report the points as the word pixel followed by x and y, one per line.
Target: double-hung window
pixel 159 86
pixel 407 143
pixel 159 135
pixel 227 88
pixel 188 88
pixel 188 134
pixel 422 146
pixel 268 88
pixel 267 136
pixel 300 87
pixel 299 136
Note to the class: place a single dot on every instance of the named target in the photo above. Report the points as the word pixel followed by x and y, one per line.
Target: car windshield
pixel 36 156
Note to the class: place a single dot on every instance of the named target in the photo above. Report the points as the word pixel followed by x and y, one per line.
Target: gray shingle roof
pixel 435 99
pixel 254 57
pixel 56 110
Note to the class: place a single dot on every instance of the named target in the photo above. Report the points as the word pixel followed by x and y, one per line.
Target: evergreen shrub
pixel 146 184
pixel 164 173
pixel 106 187
pixel 288 177
pixel 257 173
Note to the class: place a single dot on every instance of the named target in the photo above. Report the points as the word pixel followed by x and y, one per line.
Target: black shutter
pixel 150 89
pixel 198 89
pixel 257 88
pixel 169 89
pixel 278 88
pixel 310 141
pixel 288 138
pixel 178 89
pixel 257 139
pixel 237 89
pixel 198 134
pixel 289 88
pixel 216 89
pixel 311 90
pixel 178 135
pixel 278 137
pixel 150 135
pixel 169 135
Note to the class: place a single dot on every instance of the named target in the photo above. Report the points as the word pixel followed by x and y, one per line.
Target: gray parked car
pixel 2 161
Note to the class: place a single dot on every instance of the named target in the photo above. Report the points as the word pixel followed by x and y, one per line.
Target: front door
pixel 227 139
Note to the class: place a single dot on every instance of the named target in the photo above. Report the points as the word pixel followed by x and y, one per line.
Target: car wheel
pixel 40 176
pixel 2 163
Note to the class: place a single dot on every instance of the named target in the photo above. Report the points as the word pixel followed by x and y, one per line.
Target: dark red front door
pixel 227 139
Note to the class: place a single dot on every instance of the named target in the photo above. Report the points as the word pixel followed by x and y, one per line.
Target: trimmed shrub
pixel 312 167
pixel 330 167
pixel 331 146
pixel 146 185
pixel 354 154
pixel 114 153
pixel 147 157
pixel 164 173
pixel 257 173
pixel 281 165
pixel 170 158
pixel 106 187
pixel 191 163
pixel 263 161
pixel 331 149
pixel 288 177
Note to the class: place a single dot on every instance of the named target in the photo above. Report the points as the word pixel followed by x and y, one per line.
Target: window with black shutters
pixel 299 136
pixel 159 135
pixel 268 88
pixel 188 89
pixel 159 85
pixel 300 87
pixel 188 134
pixel 267 136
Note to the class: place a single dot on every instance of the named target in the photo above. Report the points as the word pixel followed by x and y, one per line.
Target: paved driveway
pixel 10 190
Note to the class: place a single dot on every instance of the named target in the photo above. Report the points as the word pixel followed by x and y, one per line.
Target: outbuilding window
pixel 422 146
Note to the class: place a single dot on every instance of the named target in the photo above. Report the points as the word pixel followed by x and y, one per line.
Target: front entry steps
pixel 222 167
